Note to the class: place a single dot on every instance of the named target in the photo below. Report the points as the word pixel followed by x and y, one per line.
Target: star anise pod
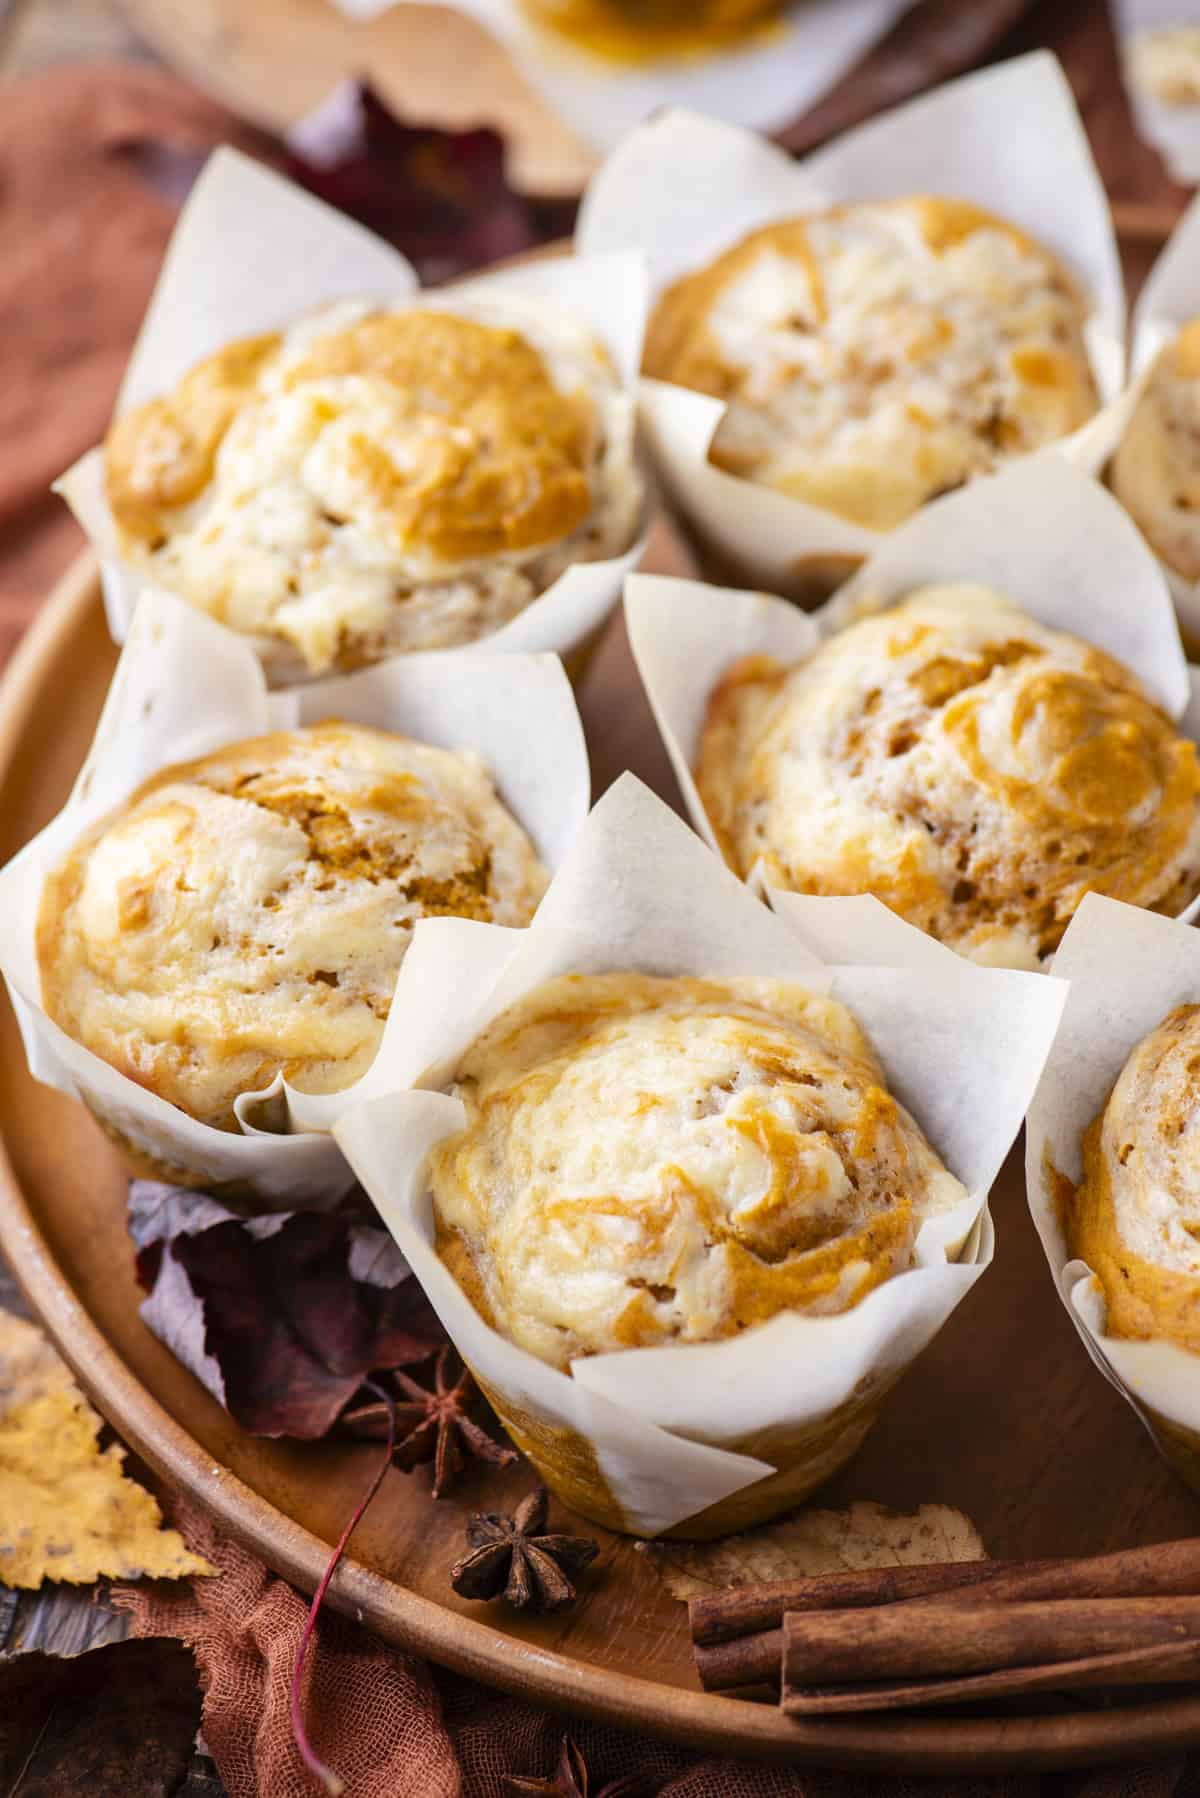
pixel 513 1557
pixel 433 1425
pixel 570 1779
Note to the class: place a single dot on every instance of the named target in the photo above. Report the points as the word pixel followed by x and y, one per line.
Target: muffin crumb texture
pixel 369 481
pixel 1156 469
pixel 1135 1216
pixel 976 771
pixel 876 355
pixel 650 1161
pixel 1164 63
pixel 246 914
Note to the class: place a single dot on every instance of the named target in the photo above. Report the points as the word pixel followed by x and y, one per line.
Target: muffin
pixel 245 915
pixel 1135 1216
pixel 875 355
pixel 650 1161
pixel 636 31
pixel 371 481
pixel 976 771
pixel 1155 471
pixel 1165 64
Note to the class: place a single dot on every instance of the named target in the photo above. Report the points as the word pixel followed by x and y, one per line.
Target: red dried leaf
pixel 282 1316
pixel 440 196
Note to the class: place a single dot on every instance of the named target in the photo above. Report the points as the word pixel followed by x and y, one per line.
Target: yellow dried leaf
pixel 813 1542
pixel 67 1511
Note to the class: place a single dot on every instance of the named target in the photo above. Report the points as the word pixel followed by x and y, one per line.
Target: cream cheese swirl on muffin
pixel 246 914
pixel 1164 64
pixel 650 1161
pixel 876 355
pixel 375 481
pixel 976 771
pixel 1135 1217
pixel 1155 472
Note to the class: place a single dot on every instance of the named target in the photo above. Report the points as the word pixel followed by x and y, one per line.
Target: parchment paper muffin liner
pixel 183 688
pixel 1042 533
pixel 1169 300
pixel 765 83
pixel 1126 970
pixel 686 188
pixel 707 1437
pixel 1173 130
pixel 252 253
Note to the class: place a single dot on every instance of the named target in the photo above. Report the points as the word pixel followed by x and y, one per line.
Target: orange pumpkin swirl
pixel 246 915
pixel 1135 1217
pixel 650 1161
pixel 634 31
pixel 379 481
pixel 873 356
pixel 974 770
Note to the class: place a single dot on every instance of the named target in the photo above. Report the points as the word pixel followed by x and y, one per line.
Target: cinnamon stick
pixel 1167 1664
pixel 720 1616
pixel 749 1661
pixel 923 1641
pixel 746 1623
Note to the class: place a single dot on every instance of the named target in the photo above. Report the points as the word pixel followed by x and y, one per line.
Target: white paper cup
pixel 1042 533
pixel 1126 970
pixel 184 687
pixel 685 188
pixel 707 1438
pixel 252 253
pixel 767 82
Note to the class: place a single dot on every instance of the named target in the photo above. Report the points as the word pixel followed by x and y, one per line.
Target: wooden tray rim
pixel 561 1682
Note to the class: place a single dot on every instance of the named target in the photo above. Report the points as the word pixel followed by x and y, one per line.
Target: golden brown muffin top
pixel 498 455
pixel 974 770
pixel 650 1160
pixel 1135 1216
pixel 246 914
pixel 874 355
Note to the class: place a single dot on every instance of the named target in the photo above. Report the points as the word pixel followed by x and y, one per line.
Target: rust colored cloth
pixel 84 227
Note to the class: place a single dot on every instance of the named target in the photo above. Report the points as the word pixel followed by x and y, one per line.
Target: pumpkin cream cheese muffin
pixel 1165 64
pixel 650 1161
pixel 246 915
pixel 377 481
pixel 1155 472
pixel 1135 1217
pixel 976 771
pixel 876 355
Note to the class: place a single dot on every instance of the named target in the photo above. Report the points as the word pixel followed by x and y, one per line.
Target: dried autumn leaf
pixel 67 1510
pixel 441 197
pixel 281 1316
pixel 814 1542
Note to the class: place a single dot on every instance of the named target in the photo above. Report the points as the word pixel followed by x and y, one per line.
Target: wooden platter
pixel 275 60
pixel 1004 1417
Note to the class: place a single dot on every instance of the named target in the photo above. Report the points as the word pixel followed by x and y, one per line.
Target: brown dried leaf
pixel 67 1510
pixel 813 1542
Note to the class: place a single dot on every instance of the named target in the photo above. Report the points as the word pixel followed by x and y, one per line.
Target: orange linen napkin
pixel 84 228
